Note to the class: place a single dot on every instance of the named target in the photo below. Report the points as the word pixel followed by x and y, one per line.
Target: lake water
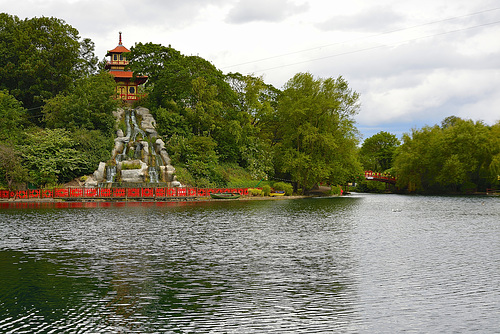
pixel 355 264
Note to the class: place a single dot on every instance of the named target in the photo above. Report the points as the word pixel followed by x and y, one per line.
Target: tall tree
pixel 317 134
pixel 40 57
pixel 377 152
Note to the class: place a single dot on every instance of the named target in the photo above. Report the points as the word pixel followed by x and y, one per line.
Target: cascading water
pixel 153 174
pixel 110 173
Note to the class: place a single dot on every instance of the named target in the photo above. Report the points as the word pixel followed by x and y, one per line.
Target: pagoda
pixel 127 84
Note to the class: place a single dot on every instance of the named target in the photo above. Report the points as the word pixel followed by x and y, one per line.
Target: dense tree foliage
pixel 40 57
pixel 190 97
pixel 316 138
pixel 56 156
pixel 11 167
pixel 45 66
pixel 459 156
pixel 377 152
pixel 12 118
pixel 305 133
pixel 88 105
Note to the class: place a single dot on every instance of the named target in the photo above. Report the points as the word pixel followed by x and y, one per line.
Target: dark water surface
pixel 357 264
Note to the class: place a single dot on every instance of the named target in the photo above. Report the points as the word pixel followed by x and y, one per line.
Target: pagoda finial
pixel 120 42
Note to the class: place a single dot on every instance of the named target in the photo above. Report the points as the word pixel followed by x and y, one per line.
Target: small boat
pixel 277 193
pixel 225 195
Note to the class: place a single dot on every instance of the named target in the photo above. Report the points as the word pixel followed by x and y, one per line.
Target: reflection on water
pixel 365 263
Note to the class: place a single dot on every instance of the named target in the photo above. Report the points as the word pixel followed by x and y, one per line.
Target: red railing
pixel 117 193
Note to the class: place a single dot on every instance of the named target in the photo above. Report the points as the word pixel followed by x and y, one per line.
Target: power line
pixel 379 46
pixel 367 37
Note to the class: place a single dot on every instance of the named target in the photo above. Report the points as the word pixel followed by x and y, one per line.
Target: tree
pixel 459 156
pixel 40 57
pixel 11 167
pixel 377 152
pixel 317 137
pixel 89 105
pixel 12 117
pixel 52 157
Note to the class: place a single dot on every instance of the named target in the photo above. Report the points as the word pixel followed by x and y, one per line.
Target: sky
pixel 413 63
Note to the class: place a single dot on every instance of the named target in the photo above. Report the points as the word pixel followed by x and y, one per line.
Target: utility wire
pixel 378 46
pixel 370 36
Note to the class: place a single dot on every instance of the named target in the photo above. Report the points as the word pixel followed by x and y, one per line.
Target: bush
pixel 255 192
pixel 336 190
pixel 135 164
pixel 366 186
pixel 266 190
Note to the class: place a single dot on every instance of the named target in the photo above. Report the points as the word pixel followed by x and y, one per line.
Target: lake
pixel 362 263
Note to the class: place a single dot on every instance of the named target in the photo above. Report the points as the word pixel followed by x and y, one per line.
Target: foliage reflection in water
pixel 367 263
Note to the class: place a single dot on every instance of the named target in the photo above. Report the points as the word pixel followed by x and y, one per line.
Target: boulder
pixel 133 175
pixel 91 182
pixel 99 173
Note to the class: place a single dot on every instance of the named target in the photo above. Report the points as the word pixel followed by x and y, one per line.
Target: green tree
pixel 199 158
pixel 52 157
pixel 317 135
pixel 89 105
pixel 257 103
pixel 40 57
pixel 459 156
pixel 11 167
pixel 377 152
pixel 12 117
pixel 192 92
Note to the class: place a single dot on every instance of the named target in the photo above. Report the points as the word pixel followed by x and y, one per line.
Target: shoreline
pixel 132 200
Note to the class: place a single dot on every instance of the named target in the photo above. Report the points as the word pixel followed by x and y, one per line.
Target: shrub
pixel 255 192
pixel 135 164
pixel 336 190
pixel 266 190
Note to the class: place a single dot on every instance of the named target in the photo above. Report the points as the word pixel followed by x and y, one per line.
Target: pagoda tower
pixel 126 88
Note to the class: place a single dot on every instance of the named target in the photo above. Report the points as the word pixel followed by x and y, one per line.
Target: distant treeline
pixel 56 121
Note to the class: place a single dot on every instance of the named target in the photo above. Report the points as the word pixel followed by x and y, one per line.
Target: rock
pixel 160 148
pixel 99 173
pixel 91 182
pixel 145 150
pixel 118 113
pixel 119 145
pixel 133 175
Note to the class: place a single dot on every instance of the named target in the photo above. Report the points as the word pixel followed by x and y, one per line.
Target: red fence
pixel 117 193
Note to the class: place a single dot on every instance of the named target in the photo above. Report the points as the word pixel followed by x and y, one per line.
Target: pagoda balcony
pixel 117 62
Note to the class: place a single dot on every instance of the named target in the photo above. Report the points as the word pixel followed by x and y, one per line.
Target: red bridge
pixel 381 177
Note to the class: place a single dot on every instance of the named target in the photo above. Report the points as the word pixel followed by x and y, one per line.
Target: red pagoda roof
pixel 129 75
pixel 118 49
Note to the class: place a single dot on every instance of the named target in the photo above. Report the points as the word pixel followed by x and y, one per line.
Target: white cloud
pixel 245 11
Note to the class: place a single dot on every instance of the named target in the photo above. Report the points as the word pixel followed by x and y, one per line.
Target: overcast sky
pixel 413 62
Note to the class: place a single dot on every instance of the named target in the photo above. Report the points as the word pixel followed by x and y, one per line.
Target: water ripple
pixel 363 264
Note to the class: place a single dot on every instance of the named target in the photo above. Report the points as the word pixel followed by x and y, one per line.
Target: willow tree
pixel 317 137
pixel 460 156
